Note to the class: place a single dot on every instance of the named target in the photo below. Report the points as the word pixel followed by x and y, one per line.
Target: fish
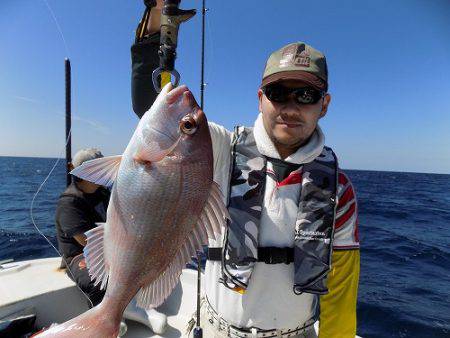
pixel 164 206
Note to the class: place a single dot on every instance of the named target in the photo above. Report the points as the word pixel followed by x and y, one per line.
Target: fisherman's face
pixel 290 124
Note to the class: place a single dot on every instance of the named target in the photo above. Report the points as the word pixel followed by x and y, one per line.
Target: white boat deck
pixel 39 285
pixel 30 279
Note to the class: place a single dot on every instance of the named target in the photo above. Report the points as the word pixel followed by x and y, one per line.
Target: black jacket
pixel 144 60
pixel 76 213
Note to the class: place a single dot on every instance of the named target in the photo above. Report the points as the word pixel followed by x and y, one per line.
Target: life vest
pixel 314 227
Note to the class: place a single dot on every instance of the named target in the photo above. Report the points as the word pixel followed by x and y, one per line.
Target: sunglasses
pixel 278 93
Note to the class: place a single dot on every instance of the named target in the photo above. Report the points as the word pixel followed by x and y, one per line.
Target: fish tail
pixel 97 322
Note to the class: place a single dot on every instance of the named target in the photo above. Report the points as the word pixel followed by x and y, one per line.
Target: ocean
pixel 404 218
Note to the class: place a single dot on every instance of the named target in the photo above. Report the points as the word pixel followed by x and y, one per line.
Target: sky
pixel 389 73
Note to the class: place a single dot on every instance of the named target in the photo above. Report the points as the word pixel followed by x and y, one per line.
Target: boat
pixel 38 291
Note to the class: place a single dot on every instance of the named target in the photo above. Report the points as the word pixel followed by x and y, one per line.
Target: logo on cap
pixel 295 55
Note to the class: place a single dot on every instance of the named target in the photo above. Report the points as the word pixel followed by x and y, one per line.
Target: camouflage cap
pixel 297 61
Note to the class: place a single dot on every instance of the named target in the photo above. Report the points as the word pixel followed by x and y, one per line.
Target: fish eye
pixel 188 125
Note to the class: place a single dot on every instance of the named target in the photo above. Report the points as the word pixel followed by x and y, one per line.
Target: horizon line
pixel 389 171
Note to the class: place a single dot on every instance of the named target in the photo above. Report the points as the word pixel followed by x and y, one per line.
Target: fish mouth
pixel 184 96
pixel 174 94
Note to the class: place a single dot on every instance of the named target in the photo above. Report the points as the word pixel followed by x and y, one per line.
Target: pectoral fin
pixel 102 171
pixel 93 253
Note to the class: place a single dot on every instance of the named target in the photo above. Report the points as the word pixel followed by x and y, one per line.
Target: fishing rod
pixel 68 120
pixel 202 80
pixel 198 331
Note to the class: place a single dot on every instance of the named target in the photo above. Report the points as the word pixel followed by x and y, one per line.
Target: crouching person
pixel 79 207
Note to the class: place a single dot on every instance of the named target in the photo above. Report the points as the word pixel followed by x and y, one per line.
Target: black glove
pixel 150 3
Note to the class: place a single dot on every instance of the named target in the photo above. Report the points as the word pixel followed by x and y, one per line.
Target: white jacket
pixel 269 302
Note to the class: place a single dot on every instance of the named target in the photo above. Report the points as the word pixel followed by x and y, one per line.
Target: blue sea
pixel 404 288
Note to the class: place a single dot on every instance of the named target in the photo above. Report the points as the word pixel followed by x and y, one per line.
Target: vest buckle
pixel 275 255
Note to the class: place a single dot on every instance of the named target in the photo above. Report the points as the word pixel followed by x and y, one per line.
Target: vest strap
pixel 268 255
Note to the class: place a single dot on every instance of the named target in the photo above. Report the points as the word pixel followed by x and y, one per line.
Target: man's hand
pixel 82 264
pixel 154 3
pixel 159 4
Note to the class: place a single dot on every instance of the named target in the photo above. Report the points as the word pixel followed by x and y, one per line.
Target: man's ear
pixel 326 102
pixel 260 96
pixel 70 165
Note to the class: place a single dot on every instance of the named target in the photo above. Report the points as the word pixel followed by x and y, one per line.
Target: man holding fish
pixel 277 213
pixel 293 211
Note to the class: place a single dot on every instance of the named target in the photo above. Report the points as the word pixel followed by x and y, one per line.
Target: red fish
pixel 164 205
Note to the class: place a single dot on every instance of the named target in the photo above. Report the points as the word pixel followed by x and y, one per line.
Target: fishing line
pixel 40 232
pixel 37 192
pixel 51 171
pixel 58 26
pixel 210 48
